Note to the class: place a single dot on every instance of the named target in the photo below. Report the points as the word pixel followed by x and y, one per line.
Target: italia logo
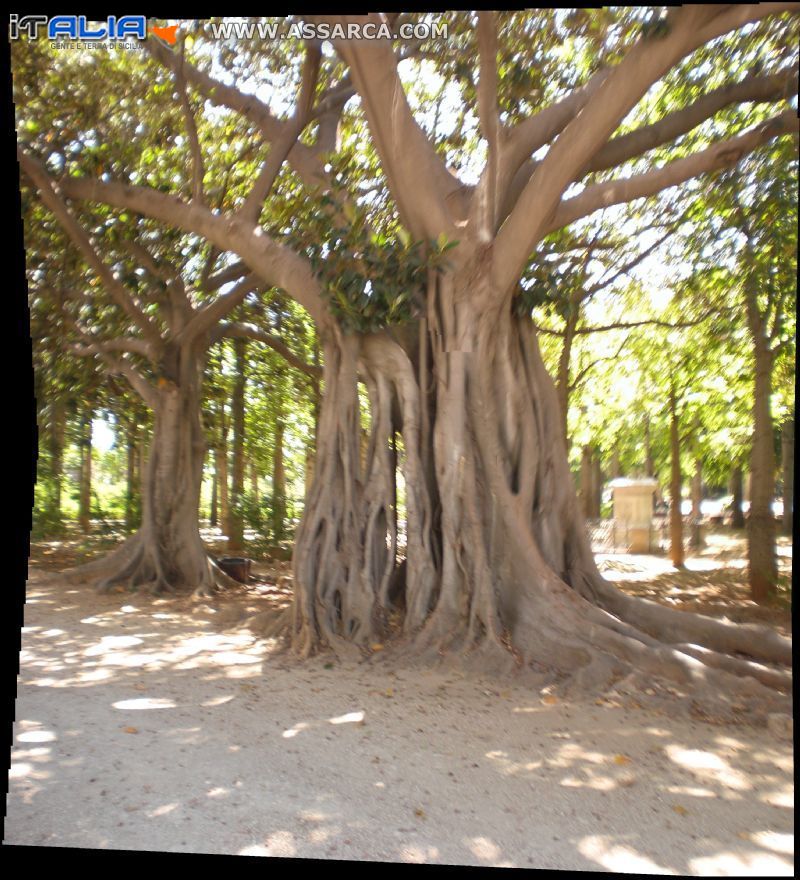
pixel 76 27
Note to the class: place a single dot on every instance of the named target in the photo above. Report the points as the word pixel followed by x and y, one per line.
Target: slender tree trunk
pixel 587 482
pixel 57 427
pixel 278 481
pixel 675 487
pixel 787 466
pixel 214 517
pixel 597 486
pixel 737 490
pixel 254 482
pixel 616 468
pixel 85 491
pixel 132 501
pixel 236 527
pixel 649 467
pixel 697 497
pixel 761 521
pixel 221 470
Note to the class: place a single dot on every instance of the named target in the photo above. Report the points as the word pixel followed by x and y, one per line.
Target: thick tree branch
pixel 720 155
pixel 216 310
pixel 230 273
pixel 756 88
pixel 417 175
pixel 281 147
pixel 274 263
pixel 685 29
pixel 485 198
pixel 303 159
pixel 249 331
pixel 129 344
pixel 198 168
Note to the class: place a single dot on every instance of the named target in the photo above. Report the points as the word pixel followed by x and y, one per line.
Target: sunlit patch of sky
pixel 103 433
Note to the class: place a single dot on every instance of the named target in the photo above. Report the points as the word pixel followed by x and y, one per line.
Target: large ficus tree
pixel 573 114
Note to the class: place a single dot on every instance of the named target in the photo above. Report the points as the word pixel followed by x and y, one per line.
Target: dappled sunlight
pixel 730 864
pixel 36 736
pixel 708 765
pixel 418 855
pixel 193 726
pixel 614 856
pixel 281 843
pixel 145 703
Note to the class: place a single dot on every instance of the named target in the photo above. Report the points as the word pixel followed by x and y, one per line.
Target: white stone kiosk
pixel 633 512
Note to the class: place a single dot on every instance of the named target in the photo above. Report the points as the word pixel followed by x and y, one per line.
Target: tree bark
pixel 214 514
pixel 697 497
pixel 221 469
pixel 235 511
pixel 278 481
pixel 737 490
pixel 761 529
pixel 57 427
pixel 597 486
pixel 587 482
pixel 675 486
pixel 504 573
pixel 562 383
pixel 132 499
pixel 254 482
pixel 787 456
pixel 649 467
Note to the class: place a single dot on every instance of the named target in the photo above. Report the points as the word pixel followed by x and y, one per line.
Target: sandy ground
pixel 143 725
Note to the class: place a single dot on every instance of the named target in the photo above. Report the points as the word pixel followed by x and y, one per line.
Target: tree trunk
pixel 278 483
pixel 649 467
pixel 597 486
pixel 697 497
pixel 132 499
pixel 616 468
pixel 221 469
pixel 787 466
pixel 562 382
pixel 57 426
pixel 587 482
pixel 254 482
pixel 504 573
pixel 167 552
pixel 737 490
pixel 235 511
pixel 761 521
pixel 214 515
pixel 675 487
pixel 85 489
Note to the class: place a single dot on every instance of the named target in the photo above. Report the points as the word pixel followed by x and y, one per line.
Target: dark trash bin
pixel 237 567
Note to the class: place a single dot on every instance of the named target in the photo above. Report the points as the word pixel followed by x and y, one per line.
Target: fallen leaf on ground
pixel 681 811
pixel 418 811
pixel 550 700
pixel 131 729
pixel 621 759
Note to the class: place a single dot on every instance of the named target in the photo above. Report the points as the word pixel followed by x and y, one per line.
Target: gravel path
pixel 145 726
